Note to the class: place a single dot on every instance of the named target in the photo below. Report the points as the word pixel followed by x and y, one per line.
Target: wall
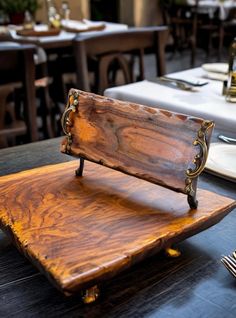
pixel 79 9
pixel 140 12
pixel 132 12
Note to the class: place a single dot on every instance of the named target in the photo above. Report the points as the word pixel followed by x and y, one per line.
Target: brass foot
pixel 171 252
pixel 90 295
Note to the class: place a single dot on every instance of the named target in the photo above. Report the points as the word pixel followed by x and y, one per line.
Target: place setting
pixel 188 84
pixel 229 262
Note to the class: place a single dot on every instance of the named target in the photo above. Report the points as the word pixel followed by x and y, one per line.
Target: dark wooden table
pixel 193 285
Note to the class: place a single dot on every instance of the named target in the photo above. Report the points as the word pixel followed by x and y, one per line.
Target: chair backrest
pixel 17 65
pixel 181 17
pixel 106 48
pixel 149 143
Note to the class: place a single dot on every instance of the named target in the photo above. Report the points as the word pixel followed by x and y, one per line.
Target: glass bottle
pixel 53 16
pixel 28 23
pixel 65 10
pixel 231 84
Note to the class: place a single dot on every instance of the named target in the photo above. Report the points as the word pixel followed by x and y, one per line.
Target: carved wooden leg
pixel 79 171
pixel 90 295
pixel 172 252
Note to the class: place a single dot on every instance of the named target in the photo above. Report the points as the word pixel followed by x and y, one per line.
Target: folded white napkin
pixel 216 71
pixel 216 67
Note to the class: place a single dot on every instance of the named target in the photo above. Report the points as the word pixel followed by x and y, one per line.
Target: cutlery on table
pixel 234 254
pixel 227 139
pixel 172 84
pixel 196 83
pixel 230 263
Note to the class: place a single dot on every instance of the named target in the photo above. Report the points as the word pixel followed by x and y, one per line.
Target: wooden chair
pixel 26 77
pixel 181 19
pixel 105 53
pixel 189 26
pixel 18 70
pixel 227 30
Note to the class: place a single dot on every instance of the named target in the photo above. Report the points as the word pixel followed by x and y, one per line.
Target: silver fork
pixel 171 83
pixel 180 84
pixel 230 263
pixel 227 139
pixel 183 81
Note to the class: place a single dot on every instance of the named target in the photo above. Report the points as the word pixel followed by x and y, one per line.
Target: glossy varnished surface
pixel 194 285
pixel 81 230
pixel 149 143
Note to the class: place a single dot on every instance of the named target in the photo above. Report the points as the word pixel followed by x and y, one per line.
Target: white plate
pixel 222 161
pixel 216 67
pixel 216 76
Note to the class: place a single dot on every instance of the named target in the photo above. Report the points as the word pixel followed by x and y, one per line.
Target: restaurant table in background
pixel 64 38
pixel 195 284
pixel 60 53
pixel 206 102
pixel 210 6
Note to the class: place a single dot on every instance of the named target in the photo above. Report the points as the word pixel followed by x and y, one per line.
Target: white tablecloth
pixel 210 6
pixel 206 102
pixel 68 36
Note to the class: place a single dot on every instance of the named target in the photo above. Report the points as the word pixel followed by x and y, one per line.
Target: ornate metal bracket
pixel 199 161
pixel 65 120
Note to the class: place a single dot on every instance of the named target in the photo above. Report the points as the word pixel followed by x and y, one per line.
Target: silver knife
pixel 172 84
pixel 190 83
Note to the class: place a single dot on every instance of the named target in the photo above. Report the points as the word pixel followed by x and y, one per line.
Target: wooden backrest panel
pixel 149 143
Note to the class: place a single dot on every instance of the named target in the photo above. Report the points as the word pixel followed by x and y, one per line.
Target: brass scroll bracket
pixel 199 162
pixel 66 123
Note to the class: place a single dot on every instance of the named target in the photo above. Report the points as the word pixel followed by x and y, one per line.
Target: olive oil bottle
pixel 53 16
pixel 231 84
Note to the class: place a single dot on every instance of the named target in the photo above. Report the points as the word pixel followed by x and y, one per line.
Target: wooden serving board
pixel 82 230
pixel 50 32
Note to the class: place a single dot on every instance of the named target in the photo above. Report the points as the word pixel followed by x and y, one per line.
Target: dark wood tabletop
pixel 194 285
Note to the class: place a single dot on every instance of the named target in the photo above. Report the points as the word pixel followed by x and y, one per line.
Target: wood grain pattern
pixel 80 231
pixel 151 144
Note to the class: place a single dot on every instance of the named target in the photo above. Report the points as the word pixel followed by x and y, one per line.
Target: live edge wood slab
pixel 80 231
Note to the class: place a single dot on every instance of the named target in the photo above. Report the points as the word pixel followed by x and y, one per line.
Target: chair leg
pixel 46 112
pixel 3 142
pixel 193 51
pixel 4 92
pixel 221 41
